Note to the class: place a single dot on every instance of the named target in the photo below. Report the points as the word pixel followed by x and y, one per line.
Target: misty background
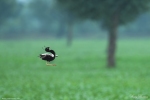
pixel 46 20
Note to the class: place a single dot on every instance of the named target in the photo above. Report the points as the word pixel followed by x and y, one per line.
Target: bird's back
pixel 47 56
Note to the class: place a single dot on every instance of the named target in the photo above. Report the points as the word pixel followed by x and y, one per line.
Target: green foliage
pixel 126 10
pixel 42 9
pixel 8 9
pixel 80 73
pixel 46 14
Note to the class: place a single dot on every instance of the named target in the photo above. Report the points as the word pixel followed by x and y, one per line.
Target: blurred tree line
pixel 23 18
pixel 68 18
pixel 58 18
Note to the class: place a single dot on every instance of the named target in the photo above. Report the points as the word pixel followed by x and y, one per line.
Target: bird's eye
pixel 47 49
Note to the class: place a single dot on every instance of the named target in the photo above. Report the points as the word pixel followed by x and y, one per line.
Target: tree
pixel 112 13
pixel 70 22
pixel 8 9
pixel 66 19
pixel 43 11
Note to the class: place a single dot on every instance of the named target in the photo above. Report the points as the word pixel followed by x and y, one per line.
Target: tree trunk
pixel 70 33
pixel 111 61
pixel 61 29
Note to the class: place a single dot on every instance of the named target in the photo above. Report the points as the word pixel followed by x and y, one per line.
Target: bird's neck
pixel 52 51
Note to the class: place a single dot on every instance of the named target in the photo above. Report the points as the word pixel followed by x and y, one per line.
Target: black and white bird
pixel 48 56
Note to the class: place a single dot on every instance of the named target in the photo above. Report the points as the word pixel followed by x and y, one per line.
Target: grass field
pixel 80 74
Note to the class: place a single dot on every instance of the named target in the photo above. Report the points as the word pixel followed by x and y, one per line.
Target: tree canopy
pixel 127 10
pixel 8 8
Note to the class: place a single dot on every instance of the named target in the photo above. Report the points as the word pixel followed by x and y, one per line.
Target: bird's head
pixel 47 49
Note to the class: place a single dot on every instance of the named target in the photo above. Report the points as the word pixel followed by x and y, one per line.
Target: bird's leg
pixel 48 64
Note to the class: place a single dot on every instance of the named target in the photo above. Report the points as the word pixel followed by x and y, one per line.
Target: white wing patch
pixel 44 54
pixel 52 55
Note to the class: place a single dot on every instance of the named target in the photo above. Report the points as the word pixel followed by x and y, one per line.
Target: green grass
pixel 80 74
